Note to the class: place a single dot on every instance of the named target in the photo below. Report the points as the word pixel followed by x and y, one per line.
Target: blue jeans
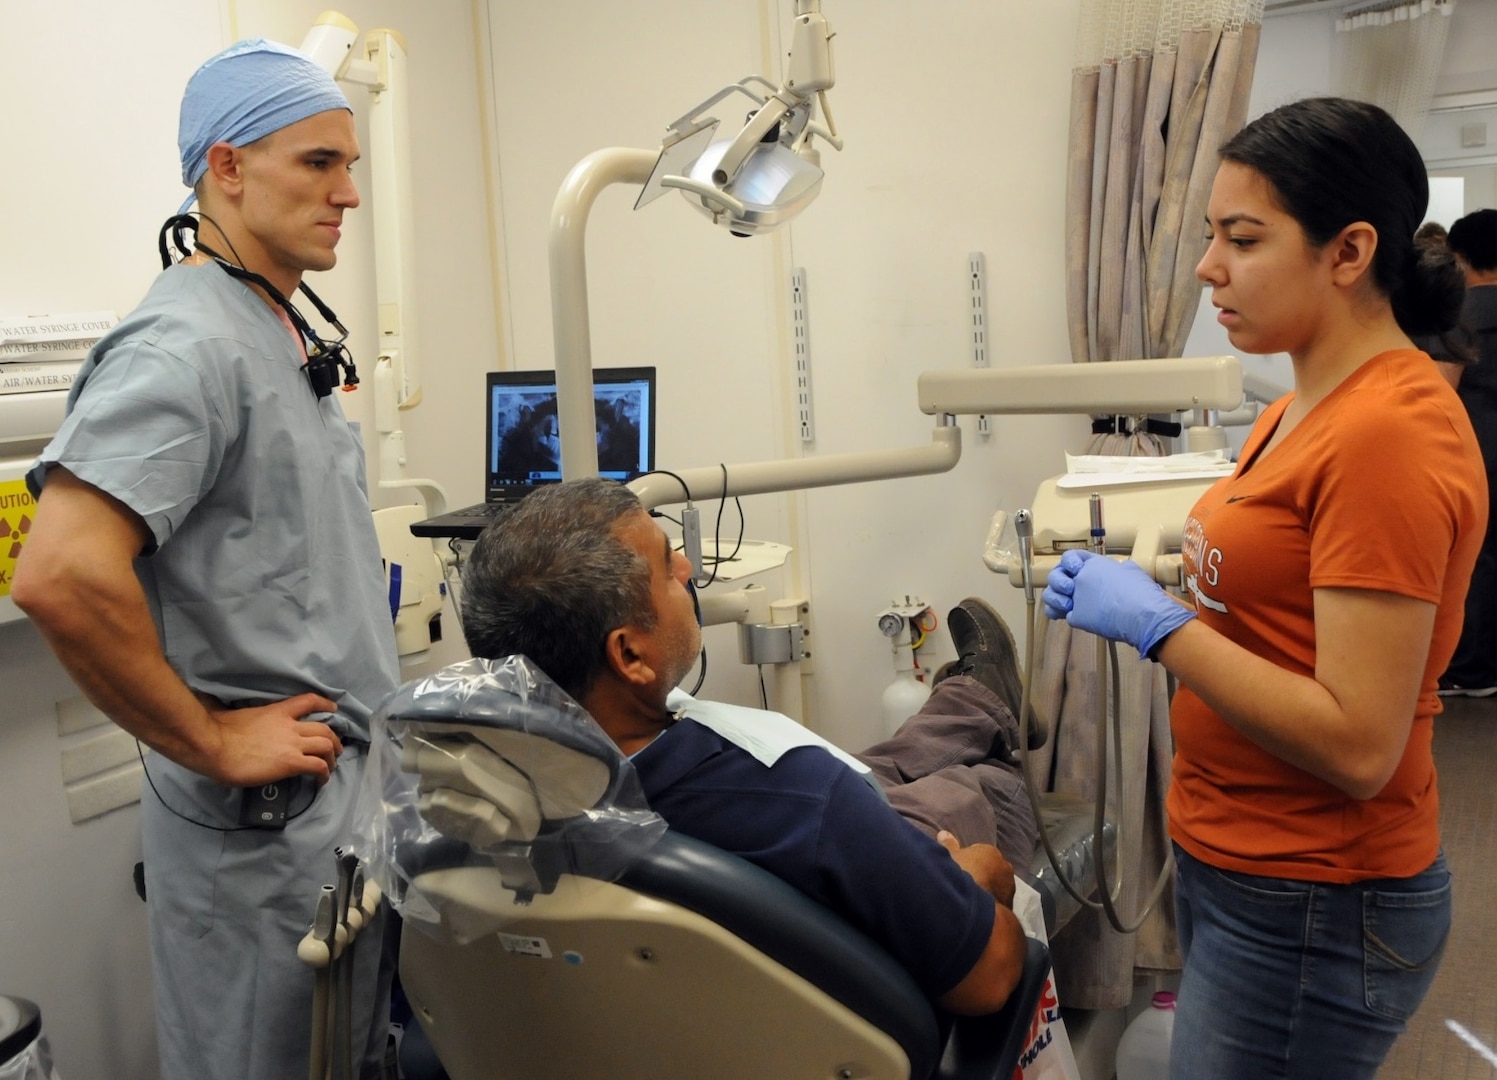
pixel 1289 978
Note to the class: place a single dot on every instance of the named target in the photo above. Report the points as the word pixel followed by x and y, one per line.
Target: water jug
pixel 1144 1051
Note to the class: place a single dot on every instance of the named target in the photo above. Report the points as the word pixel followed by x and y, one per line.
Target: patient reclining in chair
pixel 903 841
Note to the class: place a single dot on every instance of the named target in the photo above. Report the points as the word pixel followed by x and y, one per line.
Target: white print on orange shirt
pixel 1202 563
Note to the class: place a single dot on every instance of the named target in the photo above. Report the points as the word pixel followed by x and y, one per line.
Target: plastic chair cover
pixel 490 763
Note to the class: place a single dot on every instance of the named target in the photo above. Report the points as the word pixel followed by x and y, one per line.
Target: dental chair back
pixel 562 931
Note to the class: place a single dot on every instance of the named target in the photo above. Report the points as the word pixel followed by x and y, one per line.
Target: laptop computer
pixel 523 447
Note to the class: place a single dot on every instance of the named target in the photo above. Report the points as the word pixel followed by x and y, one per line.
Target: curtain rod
pixel 1390 5
pixel 1300 7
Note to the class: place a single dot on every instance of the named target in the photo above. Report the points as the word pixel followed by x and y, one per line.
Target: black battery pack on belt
pixel 264 807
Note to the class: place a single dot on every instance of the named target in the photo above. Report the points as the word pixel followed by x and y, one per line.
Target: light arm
pixel 808 74
pixel 569 302
pixel 760 124
pixel 795 474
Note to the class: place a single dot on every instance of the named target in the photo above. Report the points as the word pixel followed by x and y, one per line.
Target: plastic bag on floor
pixel 33 1063
pixel 1047 1052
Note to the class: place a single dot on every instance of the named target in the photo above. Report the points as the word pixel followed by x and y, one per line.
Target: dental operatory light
pixel 769 171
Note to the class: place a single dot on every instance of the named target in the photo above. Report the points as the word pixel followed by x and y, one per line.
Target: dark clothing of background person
pixel 1474 665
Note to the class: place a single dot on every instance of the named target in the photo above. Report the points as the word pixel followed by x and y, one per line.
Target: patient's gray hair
pixel 551 580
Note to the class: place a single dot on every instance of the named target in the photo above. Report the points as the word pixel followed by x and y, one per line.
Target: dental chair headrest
pixel 488 762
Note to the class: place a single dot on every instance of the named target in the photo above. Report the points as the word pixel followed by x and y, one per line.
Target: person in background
pixel 1328 575
pixel 1473 239
pixel 1450 357
pixel 204 563
pixel 583 583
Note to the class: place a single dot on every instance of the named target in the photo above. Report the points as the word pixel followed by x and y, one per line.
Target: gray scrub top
pixel 266 579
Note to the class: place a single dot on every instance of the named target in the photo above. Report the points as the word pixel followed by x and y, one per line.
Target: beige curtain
pixel 1158 86
pixel 1390 53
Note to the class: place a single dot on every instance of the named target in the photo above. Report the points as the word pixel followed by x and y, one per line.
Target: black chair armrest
pixel 988 1047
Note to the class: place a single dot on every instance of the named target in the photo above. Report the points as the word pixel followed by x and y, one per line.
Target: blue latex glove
pixel 1112 599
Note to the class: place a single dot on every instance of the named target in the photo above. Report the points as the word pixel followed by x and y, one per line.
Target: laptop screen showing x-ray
pixel 524 435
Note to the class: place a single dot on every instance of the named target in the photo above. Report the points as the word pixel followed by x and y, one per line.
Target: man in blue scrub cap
pixel 204 563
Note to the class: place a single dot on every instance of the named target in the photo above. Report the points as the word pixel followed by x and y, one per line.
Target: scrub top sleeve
pixel 144 429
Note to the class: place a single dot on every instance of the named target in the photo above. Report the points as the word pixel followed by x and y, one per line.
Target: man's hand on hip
pixel 266 743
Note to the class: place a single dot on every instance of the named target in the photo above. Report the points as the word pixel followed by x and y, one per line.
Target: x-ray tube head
pixel 329 43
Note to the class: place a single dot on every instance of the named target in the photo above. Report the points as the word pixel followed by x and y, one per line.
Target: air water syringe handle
pixel 1024 529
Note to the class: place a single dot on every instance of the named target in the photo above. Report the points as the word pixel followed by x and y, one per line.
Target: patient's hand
pixel 985 863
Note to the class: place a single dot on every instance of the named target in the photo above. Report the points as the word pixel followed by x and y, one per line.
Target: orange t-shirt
pixel 1380 487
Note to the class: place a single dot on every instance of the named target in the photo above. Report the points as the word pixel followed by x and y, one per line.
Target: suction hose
pixel 1107 660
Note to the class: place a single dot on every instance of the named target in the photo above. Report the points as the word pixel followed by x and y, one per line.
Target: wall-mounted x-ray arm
pixel 379 65
pixel 794 474
pixel 1122 386
pixel 1256 393
pixel 1145 518
pixel 1171 385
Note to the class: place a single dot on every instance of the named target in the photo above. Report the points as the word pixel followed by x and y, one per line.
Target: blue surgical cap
pixel 246 92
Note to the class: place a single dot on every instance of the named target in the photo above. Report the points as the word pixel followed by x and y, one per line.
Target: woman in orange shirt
pixel 1328 576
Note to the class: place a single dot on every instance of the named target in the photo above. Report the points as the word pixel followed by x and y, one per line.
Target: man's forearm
pixel 108 644
pixel 75 578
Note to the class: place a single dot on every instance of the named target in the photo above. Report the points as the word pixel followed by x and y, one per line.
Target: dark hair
pixel 551 580
pixel 1332 161
pixel 1431 232
pixel 1474 239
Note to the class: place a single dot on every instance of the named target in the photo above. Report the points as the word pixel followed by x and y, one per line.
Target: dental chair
pixel 555 927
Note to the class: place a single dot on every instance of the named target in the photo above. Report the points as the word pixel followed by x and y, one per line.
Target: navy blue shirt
pixel 813 822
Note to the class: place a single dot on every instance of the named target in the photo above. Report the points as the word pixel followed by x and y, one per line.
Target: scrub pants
pixel 226 912
pixel 951 766
pixel 1289 978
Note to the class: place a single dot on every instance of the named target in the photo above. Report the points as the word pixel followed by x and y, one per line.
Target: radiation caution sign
pixel 17 508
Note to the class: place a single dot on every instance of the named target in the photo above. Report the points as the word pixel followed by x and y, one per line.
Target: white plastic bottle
pixel 902 699
pixel 1144 1050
